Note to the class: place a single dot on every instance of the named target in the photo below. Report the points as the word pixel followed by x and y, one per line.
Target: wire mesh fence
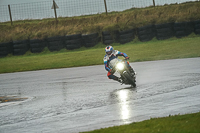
pixel 4 13
pixel 69 8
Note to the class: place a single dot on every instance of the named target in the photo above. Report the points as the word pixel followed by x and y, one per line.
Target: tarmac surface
pixel 83 98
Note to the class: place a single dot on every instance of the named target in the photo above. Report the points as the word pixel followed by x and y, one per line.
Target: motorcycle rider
pixel 112 54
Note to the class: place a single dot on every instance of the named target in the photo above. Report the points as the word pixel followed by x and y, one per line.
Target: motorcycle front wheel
pixel 130 79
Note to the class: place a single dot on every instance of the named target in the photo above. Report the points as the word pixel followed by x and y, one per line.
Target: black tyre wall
pixel 73 41
pixel 37 46
pixel 183 29
pixel 20 47
pixel 164 31
pixel 109 38
pixel 6 48
pixel 146 33
pixel 90 40
pixel 55 43
pixel 126 36
pixel 197 27
pixel 189 27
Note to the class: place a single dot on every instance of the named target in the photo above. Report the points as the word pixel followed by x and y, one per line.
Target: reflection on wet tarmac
pixel 124 109
pixel 123 96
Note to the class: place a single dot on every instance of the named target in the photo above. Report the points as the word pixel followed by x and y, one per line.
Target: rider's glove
pixel 127 58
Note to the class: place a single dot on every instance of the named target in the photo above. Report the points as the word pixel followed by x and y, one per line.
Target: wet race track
pixel 83 99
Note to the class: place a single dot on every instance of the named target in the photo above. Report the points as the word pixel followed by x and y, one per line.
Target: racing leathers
pixel 108 58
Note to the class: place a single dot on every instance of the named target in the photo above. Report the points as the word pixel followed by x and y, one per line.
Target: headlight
pixel 120 66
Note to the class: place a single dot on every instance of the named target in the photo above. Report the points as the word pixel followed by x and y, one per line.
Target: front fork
pixel 131 71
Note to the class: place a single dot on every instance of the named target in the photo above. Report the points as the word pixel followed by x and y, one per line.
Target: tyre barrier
pixel 90 40
pixel 126 36
pixel 189 28
pixel 55 43
pixel 197 27
pixel 73 41
pixel 20 47
pixel 183 29
pixel 146 33
pixel 5 48
pixel 164 31
pixel 109 38
pixel 37 46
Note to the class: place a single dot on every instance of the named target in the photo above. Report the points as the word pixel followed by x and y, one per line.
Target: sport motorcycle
pixel 122 67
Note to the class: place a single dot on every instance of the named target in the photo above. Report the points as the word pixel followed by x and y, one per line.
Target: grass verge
pixel 188 123
pixel 137 51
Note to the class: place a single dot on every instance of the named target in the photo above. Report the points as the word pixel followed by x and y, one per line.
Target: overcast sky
pixel 7 2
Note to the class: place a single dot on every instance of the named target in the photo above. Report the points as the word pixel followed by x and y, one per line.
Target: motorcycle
pixel 122 67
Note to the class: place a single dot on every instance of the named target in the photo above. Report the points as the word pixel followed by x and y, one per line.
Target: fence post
pixel 10 14
pixel 106 7
pixel 154 3
pixel 54 6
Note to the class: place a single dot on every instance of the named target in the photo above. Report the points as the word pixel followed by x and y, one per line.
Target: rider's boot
pixel 118 79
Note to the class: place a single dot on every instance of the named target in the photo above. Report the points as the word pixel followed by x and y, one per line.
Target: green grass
pixel 129 19
pixel 137 51
pixel 188 123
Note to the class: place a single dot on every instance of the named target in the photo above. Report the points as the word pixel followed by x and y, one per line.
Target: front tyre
pixel 130 79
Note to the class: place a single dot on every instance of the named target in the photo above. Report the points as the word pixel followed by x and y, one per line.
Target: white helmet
pixel 109 50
